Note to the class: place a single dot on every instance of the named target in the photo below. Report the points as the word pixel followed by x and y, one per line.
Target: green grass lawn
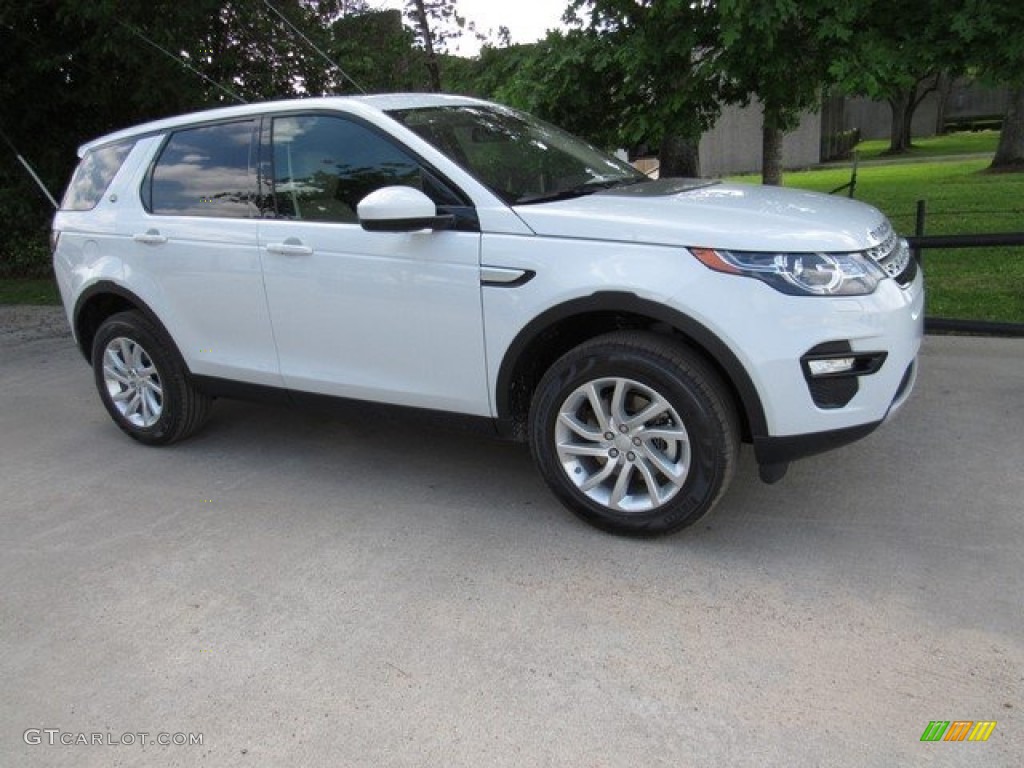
pixel 961 198
pixel 962 143
pixel 29 291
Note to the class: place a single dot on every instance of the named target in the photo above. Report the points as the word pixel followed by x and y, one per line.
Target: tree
pixel 567 78
pixel 990 30
pixel 666 90
pixel 79 70
pixel 779 51
pixel 377 52
pixel 436 24
pixel 900 53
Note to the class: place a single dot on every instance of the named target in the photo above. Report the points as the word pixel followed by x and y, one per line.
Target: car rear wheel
pixel 143 382
pixel 635 433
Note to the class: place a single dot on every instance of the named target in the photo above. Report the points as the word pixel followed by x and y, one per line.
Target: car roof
pixel 369 106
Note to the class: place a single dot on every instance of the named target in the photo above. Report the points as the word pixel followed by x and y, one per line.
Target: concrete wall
pixel 966 100
pixel 734 144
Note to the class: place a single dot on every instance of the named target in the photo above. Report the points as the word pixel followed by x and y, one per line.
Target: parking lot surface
pixel 298 589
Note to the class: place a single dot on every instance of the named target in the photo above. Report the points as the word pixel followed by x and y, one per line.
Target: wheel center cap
pixel 623 443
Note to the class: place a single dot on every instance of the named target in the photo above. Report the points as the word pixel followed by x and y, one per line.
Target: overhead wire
pixel 182 61
pixel 313 45
pixel 29 169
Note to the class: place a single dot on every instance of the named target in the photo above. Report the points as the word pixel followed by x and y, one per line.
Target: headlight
pixel 799 274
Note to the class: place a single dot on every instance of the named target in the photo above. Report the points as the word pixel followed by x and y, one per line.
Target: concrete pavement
pixel 302 590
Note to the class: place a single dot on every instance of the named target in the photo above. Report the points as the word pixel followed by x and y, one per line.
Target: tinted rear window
pixel 208 171
pixel 94 174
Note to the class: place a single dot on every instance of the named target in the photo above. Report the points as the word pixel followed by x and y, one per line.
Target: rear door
pixel 193 252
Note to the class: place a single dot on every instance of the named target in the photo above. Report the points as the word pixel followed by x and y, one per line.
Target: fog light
pixel 831 366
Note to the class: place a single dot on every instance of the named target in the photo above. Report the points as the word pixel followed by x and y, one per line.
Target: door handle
pixel 290 247
pixel 150 237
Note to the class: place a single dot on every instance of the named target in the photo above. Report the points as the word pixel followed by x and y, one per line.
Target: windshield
pixel 520 158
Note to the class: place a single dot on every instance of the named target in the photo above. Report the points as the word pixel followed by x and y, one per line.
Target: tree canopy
pixel 623 73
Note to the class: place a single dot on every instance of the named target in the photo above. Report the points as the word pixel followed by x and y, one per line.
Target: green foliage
pixel 780 51
pixel 74 71
pixel 651 66
pixel 989 31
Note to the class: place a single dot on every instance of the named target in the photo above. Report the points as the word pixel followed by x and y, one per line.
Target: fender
pixel 614 301
pixel 109 288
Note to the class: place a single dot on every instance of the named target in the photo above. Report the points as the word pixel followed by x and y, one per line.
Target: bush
pixel 24 227
pixel 29 259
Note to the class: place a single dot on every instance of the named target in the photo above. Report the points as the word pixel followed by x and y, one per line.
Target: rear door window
pixel 94 174
pixel 206 171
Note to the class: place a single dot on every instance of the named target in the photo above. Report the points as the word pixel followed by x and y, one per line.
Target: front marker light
pixel 799 274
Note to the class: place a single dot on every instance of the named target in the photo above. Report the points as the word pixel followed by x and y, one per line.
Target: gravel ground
pixel 306 590
pixel 20 323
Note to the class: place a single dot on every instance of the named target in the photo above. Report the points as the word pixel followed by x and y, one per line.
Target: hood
pixel 710 214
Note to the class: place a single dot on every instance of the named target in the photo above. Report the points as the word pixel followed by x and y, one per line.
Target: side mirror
pixel 400 209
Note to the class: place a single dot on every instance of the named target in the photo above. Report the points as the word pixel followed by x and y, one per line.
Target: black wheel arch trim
pixel 109 287
pixel 615 301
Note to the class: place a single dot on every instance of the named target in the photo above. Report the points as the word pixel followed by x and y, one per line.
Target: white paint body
pixel 405 318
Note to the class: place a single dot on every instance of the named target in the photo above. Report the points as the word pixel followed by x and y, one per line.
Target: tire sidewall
pixel 700 410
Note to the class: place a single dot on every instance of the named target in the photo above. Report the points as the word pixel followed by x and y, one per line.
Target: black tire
pixel 663 448
pixel 152 400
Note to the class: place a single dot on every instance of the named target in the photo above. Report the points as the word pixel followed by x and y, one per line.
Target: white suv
pixel 449 254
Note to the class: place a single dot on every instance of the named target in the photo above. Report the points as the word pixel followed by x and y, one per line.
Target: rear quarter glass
pixel 94 174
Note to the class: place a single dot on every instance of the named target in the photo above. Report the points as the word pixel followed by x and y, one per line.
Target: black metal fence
pixel 921 242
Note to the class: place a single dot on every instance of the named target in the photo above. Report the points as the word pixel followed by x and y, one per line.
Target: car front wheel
pixel 635 433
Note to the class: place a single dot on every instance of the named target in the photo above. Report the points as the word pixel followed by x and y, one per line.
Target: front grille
pixel 894 257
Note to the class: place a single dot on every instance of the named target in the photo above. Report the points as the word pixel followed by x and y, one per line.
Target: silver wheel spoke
pixel 125 352
pixel 596 479
pixel 132 381
pixel 649 480
pixel 628 462
pixel 598 406
pixel 674 473
pixel 123 395
pixel 655 408
pixel 618 405
pixel 132 408
pixel 586 431
pixel 621 486
pixel 110 372
pixel 115 361
pixel 579 449
pixel 150 404
pixel 671 435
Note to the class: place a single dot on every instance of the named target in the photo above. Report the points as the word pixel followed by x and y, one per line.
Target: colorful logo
pixel 958 730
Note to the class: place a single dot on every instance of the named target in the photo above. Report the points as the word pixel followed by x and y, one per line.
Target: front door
pixel 366 315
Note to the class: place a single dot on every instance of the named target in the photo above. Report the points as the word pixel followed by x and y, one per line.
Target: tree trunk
pixel 433 68
pixel 898 133
pixel 1010 152
pixel 944 88
pixel 909 107
pixel 678 156
pixel 771 149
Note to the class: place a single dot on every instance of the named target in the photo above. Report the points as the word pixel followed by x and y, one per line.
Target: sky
pixel 527 20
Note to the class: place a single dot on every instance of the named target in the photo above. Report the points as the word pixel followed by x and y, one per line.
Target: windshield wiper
pixel 580 190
